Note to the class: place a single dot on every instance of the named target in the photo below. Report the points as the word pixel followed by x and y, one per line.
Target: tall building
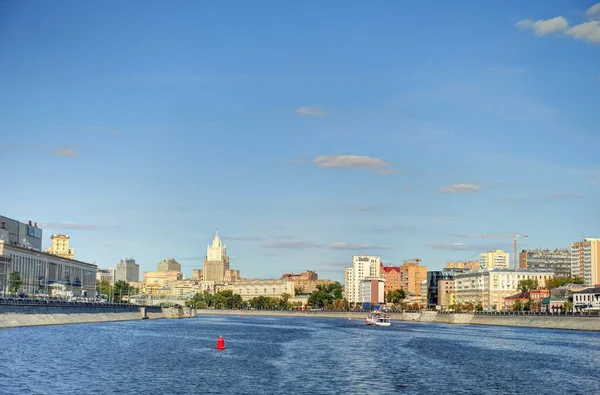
pixel 169 265
pixel 363 266
pixel 391 275
pixel 413 280
pixel 585 260
pixel 495 259
pixel 127 270
pixel 60 246
pixel 372 291
pixel 559 260
pixel 20 234
pixel 433 288
pixel 216 261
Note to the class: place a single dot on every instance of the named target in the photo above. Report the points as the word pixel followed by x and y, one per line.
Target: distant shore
pixel 531 321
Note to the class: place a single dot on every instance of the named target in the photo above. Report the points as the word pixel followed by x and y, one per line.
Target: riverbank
pixel 18 315
pixel 533 321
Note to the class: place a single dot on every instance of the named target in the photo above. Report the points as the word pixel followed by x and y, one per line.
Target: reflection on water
pixel 296 355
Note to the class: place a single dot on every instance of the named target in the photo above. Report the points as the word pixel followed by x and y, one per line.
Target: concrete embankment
pixel 533 321
pixel 12 316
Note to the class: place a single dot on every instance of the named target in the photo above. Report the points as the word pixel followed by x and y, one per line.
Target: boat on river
pixel 378 318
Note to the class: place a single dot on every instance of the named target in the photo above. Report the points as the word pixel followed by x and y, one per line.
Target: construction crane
pixel 514 236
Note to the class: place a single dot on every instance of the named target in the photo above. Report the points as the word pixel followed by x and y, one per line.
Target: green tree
pixel 396 296
pixel 15 282
pixel 526 285
pixel 517 306
pixel 556 282
pixel 121 289
pixel 479 307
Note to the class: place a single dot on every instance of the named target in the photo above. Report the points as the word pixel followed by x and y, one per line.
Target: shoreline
pixel 529 321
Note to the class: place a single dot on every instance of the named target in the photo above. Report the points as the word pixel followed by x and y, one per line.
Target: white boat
pixel 378 318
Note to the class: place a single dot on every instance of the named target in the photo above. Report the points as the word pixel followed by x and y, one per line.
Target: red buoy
pixel 220 343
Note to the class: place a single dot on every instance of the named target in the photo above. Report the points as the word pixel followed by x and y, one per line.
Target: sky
pixel 307 132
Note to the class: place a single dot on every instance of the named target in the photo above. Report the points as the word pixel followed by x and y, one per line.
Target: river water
pixel 277 355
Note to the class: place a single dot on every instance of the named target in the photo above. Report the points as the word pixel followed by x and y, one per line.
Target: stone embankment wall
pixel 12 316
pixel 534 321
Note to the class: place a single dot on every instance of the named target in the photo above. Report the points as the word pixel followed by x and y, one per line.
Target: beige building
pixel 306 287
pixel 363 266
pixel 446 295
pixel 466 265
pixel 413 280
pixel 106 275
pixel 585 260
pixel 60 246
pixel 216 261
pixel 251 289
pixel 197 275
pixel 495 259
pixel 160 279
pixel 490 287
pixel 169 265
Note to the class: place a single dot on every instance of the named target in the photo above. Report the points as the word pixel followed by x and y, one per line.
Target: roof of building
pixel 591 290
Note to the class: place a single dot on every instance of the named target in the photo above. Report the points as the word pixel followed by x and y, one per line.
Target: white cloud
pixel 338 245
pixel 349 161
pixel 594 11
pixel 460 188
pixel 387 172
pixel 544 27
pixel 588 31
pixel 311 111
pixel 67 225
pixel 65 152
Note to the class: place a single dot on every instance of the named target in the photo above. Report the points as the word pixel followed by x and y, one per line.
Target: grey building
pixel 433 278
pixel 127 270
pixel 558 260
pixel 26 235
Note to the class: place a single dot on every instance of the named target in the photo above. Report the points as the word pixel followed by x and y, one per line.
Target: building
pixel 535 296
pixel 307 275
pixel 372 291
pixel 254 288
pixel 169 265
pixel 106 275
pixel 60 246
pixel 46 274
pixel 464 265
pixel 216 261
pixel 17 233
pixel 585 260
pixel 587 299
pixel 560 295
pixel 392 277
pixel 490 287
pixel 433 279
pixel 446 295
pixel 494 259
pixel 413 280
pixel 558 260
pixel 197 275
pixel 161 279
pixel 127 270
pixel 363 266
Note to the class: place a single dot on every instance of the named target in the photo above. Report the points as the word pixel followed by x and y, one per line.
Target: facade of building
pixel 558 260
pixel 372 291
pixel 307 275
pixel 535 296
pixel 216 261
pixel 585 260
pixel 464 265
pixel 169 265
pixel 197 275
pixel 392 277
pixel 363 266
pixel 587 299
pixel 494 259
pixel 59 245
pixel 20 234
pixel 413 280
pixel 267 288
pixel 446 295
pixel 160 279
pixel 106 275
pixel 306 287
pixel 127 270
pixel 433 279
pixel 46 274
pixel 490 287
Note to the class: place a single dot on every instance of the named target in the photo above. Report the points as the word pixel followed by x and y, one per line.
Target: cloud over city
pixel 460 188
pixel 68 225
pixel 65 152
pixel 377 165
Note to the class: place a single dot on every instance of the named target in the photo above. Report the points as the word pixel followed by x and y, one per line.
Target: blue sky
pixel 306 131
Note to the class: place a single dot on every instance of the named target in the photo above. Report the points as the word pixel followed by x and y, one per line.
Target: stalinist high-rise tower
pixel 216 261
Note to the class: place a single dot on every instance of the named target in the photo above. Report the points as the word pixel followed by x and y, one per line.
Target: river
pixel 282 355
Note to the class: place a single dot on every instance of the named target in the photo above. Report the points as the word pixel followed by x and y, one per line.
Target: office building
pixel 558 260
pixel 372 291
pixel 169 265
pixel 585 260
pixel 20 234
pixel 128 270
pixel 106 275
pixel 495 259
pixel 363 266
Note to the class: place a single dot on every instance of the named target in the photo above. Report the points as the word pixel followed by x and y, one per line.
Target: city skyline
pixel 306 133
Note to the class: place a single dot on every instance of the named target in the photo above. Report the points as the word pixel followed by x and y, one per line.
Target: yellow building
pixel 463 265
pixel 585 260
pixel 413 280
pixel 60 246
pixel 495 259
pixel 160 279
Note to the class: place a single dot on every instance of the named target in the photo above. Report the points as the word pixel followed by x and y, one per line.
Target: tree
pixel 556 282
pixel 568 306
pixel 15 282
pixel 325 294
pixel 396 296
pixel 121 289
pixel 479 307
pixel 526 285
pixel 518 306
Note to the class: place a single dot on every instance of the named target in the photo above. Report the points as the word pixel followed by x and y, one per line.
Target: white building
pixel 585 260
pixel 363 266
pixel 106 275
pixel 253 288
pixel 40 272
pixel 128 270
pixel 587 299
pixel 495 259
pixel 372 290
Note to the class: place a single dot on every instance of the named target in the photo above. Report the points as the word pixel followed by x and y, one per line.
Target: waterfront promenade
pixel 533 320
